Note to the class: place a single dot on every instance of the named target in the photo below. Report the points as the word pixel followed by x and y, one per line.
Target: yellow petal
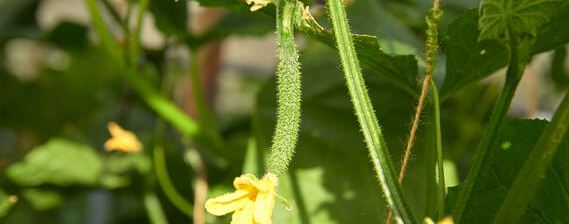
pixel 122 140
pixel 264 205
pixel 227 203
pixel 246 182
pixel 243 215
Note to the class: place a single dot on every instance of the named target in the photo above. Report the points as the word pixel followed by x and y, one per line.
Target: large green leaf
pixel 58 162
pixel 468 60
pixel 501 18
pixel 512 148
pixel 331 179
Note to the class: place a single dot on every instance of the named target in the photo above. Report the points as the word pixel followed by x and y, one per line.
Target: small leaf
pixel 59 162
pixel 518 17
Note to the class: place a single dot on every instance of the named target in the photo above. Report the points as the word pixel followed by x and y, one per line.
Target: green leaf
pixel 469 61
pixel 42 199
pixel 331 179
pixel 68 35
pixel 58 162
pixel 401 70
pixel 501 18
pixel 170 16
pixel 555 33
pixel 552 200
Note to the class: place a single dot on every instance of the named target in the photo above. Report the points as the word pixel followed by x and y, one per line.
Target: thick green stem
pixel 441 190
pixel 376 144
pixel 288 91
pixel 499 114
pixel 531 174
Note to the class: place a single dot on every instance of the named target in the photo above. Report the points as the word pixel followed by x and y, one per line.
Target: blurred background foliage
pixel 59 89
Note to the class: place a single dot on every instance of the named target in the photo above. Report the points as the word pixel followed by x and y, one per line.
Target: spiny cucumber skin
pixel 289 93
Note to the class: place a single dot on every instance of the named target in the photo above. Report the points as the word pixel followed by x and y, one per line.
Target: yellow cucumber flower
pixel 251 203
pixel 122 140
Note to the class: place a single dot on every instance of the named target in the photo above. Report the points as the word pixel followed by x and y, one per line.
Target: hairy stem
pixel 530 176
pixel 499 113
pixel 376 144
pixel 288 91
pixel 432 19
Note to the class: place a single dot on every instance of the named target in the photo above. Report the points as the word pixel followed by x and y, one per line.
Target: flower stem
pixel 530 176
pixel 288 91
pixel 499 113
pixel 376 144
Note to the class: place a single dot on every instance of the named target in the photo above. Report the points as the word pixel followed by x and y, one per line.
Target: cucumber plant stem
pixel 499 113
pixel 373 136
pixel 441 190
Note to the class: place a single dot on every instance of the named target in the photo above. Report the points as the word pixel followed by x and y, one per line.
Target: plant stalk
pixel 497 119
pixel 441 190
pixel 377 147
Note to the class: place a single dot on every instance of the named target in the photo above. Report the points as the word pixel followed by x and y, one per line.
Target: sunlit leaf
pixel 58 162
pixel 501 18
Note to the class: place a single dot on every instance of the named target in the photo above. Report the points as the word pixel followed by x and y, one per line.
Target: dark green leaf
pixel 469 61
pixel 59 162
pixel 552 200
pixel 555 33
pixel 69 35
pixel 170 16
pixel 401 70
pixel 500 18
